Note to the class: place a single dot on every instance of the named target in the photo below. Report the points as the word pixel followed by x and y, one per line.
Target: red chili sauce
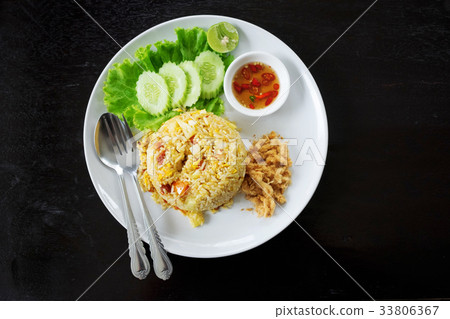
pixel 255 85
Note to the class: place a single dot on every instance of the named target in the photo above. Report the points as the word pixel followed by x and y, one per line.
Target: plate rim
pixel 317 94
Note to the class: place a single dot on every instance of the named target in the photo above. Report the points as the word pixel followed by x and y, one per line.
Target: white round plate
pixel 230 231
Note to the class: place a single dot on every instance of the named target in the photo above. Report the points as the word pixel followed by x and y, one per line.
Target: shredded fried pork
pixel 268 174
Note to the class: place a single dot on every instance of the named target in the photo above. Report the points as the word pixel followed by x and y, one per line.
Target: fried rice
pixel 194 162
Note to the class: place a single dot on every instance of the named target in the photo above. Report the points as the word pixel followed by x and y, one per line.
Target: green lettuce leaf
pixel 214 105
pixel 227 61
pixel 148 59
pixel 169 51
pixel 143 120
pixel 137 117
pixel 120 85
pixel 192 42
pixel 129 114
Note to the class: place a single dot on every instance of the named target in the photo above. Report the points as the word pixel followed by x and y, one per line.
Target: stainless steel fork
pixel 161 262
pixel 110 142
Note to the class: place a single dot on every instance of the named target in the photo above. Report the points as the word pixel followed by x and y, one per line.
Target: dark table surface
pixel 381 209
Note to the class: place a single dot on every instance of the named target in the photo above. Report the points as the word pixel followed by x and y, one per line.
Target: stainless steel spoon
pixel 110 144
pixel 161 262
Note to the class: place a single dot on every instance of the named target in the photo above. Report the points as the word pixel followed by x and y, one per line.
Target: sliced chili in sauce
pixel 255 85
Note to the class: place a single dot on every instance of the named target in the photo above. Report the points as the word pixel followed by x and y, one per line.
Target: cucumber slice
pixel 211 69
pixel 153 93
pixel 194 83
pixel 176 81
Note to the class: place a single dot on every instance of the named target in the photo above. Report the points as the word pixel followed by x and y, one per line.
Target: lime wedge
pixel 223 37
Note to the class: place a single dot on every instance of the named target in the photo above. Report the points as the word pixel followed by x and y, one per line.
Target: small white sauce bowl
pixel 275 64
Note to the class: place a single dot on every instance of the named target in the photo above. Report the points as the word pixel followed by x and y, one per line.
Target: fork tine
pixel 112 138
pixel 123 134
pixel 128 133
pixel 131 142
pixel 118 130
pixel 127 127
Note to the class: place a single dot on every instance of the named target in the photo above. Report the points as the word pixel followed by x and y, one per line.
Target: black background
pixel 381 209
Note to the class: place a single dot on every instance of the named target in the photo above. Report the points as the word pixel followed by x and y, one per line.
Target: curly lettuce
pixel 120 85
pixel 191 42
pixel 142 120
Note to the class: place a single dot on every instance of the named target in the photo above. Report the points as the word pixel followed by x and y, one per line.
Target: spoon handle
pixel 161 262
pixel 140 266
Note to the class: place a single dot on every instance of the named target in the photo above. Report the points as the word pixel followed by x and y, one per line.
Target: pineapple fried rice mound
pixel 194 162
